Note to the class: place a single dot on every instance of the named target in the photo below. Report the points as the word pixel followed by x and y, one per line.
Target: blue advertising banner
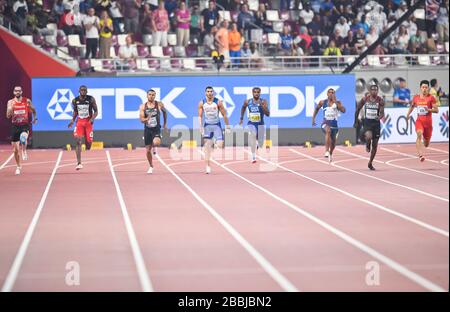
pixel 291 98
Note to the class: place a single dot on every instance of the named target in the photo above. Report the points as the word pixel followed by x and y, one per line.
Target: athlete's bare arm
pixel 33 111
pixel 265 108
pixel 95 109
pixel 435 108
pixel 74 115
pixel 142 117
pixel 410 109
pixel 340 107
pixel 381 115
pixel 200 115
pixel 243 108
pixel 223 112
pixel 358 109
pixel 164 111
pixel 9 110
pixel 316 110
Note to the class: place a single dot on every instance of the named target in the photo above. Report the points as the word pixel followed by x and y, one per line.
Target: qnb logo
pixel 60 107
pixel 443 124
pixel 386 125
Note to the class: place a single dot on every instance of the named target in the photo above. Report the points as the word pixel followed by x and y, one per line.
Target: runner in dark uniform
pixel 85 108
pixel 149 114
pixel 18 109
pixel 373 112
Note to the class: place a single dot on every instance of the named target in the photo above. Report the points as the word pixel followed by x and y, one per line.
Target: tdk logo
pixel 60 106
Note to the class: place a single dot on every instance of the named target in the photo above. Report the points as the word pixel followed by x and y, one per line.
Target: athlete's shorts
pixel 150 134
pixel 333 127
pixel 17 130
pixel 259 130
pixel 426 126
pixel 84 128
pixel 372 125
pixel 213 131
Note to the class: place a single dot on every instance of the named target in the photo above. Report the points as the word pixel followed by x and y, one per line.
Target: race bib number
pixel 422 110
pixel 255 117
pixel 211 22
pixel 372 114
pixel 83 111
pixel 330 114
pixel 19 112
pixel 152 122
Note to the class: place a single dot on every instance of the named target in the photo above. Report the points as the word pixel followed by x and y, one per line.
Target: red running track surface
pixel 304 226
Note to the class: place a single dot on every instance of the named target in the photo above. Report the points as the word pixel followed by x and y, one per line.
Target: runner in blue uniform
pixel 257 108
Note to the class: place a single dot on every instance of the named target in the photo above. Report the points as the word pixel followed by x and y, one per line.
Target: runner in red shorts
pixel 85 108
pixel 426 105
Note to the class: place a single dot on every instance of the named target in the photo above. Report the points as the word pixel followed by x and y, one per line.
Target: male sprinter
pixel 211 128
pixel 331 108
pixel 374 111
pixel 85 108
pixel 257 108
pixel 426 104
pixel 18 109
pixel 150 116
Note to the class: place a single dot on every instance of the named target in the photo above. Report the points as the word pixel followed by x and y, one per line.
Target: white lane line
pixel 444 162
pixel 15 268
pixel 352 241
pixel 409 155
pixel 389 163
pixel 437 150
pixel 373 177
pixel 6 161
pixel 284 283
pixel 144 278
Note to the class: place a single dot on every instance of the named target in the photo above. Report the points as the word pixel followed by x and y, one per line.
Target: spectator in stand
pixel 209 41
pixel 130 11
pixel 349 44
pixel 417 43
pixel 102 5
pixel 20 10
pixel 91 25
pixel 286 42
pixel 147 20
pixel 245 19
pixel 183 26
pixel 116 16
pixel 261 19
pixel 302 42
pixel 348 13
pixel 436 91
pixel 371 37
pixel 285 5
pixel 402 95
pixel 337 38
pixel 332 50
pixel 152 4
pixel 160 22
pixel 401 10
pixel 195 21
pixel 245 51
pixel 360 40
pixel 106 31
pixel 442 22
pixel 128 53
pixel 57 10
pixel 306 14
pixel 342 26
pixel 234 43
pixel 209 18
pixel 171 8
pixel 399 44
pixel 222 41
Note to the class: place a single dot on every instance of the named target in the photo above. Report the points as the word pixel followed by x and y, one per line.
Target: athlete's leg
pixel 24 145
pixel 208 144
pixel 16 148
pixel 148 149
pixel 373 152
pixel 252 135
pixel 78 149
pixel 368 135
pixel 327 138
pixel 333 134
pixel 89 135
pixel 419 142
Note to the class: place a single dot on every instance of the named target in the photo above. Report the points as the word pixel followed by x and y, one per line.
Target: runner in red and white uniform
pixel 85 109
pixel 426 105
pixel 18 109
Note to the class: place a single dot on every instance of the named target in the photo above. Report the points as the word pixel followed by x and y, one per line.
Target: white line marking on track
pixel 284 283
pixel 373 177
pixel 396 213
pixel 409 155
pixel 14 271
pixel 444 162
pixel 354 242
pixel 6 161
pixel 144 278
pixel 437 150
pixel 389 163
